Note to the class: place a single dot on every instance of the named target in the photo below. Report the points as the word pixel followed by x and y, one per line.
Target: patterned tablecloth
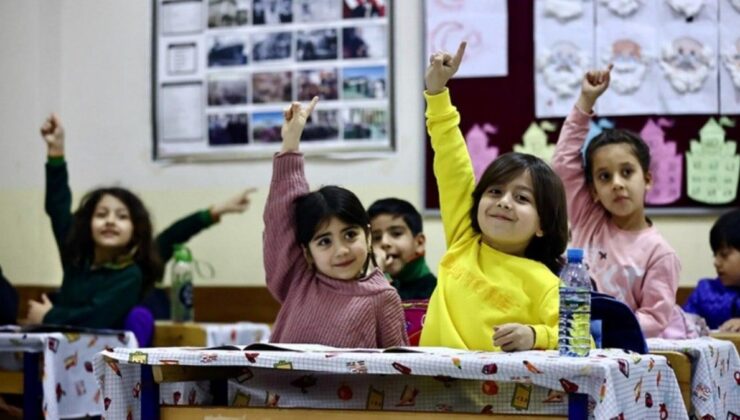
pixel 715 381
pixel 237 333
pixel 69 386
pixel 619 385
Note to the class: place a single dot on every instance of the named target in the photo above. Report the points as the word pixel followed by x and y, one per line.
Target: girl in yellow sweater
pixel 497 287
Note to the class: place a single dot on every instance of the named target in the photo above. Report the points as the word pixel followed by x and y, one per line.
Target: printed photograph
pixel 228 129
pixel 227 89
pixel 364 82
pixel 317 10
pixel 272 46
pixel 365 123
pixel 322 83
pixel 322 125
pixel 365 42
pixel 267 127
pixel 272 12
pixel 272 87
pixel 225 13
pixel 363 9
pixel 320 44
pixel 224 51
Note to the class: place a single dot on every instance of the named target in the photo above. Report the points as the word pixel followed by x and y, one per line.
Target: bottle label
pixel 186 295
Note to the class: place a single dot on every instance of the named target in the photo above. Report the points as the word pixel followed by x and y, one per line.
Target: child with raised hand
pixel 717 300
pixel 397 233
pixel 318 258
pixel 108 256
pixel 625 254
pixel 497 287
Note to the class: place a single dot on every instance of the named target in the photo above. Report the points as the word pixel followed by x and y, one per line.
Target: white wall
pixel 90 60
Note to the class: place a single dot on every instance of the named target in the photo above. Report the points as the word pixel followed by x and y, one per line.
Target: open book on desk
pixel 320 348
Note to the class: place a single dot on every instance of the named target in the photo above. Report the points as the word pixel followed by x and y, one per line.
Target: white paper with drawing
pixel 688 63
pixel 729 66
pixel 630 45
pixel 563 53
pixel 482 23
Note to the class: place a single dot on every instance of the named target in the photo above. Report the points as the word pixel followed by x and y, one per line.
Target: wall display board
pixel 224 70
pixel 695 161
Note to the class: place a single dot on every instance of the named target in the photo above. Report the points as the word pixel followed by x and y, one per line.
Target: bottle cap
pixel 182 253
pixel 575 255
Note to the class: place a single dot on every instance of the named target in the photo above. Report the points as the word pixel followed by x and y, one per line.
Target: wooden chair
pixel 11 382
pixel 185 334
pixel 681 365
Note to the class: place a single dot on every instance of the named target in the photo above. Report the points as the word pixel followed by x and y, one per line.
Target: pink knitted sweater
pixel 317 309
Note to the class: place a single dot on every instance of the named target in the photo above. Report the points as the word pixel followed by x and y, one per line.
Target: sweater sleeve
pixel 391 321
pixel 181 231
pixel 58 200
pixel 283 256
pixel 452 166
pixel 108 306
pixel 546 334
pixel 693 303
pixel 658 295
pixel 567 162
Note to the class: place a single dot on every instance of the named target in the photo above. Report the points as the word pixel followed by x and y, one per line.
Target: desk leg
pixel 149 394
pixel 577 406
pixel 32 390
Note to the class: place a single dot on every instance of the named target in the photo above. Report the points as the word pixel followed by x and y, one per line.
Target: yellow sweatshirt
pixel 478 287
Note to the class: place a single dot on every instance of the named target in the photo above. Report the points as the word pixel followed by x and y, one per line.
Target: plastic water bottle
pixel 181 290
pixel 574 336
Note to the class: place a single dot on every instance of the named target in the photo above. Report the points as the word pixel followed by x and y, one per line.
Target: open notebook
pixel 319 348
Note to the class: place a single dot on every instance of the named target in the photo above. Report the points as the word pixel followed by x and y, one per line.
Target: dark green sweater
pixel 415 281
pixel 101 297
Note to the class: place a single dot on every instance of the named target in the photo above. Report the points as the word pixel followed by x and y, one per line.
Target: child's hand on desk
pixel 513 337
pixel 295 120
pixel 731 325
pixel 37 310
pixel 53 134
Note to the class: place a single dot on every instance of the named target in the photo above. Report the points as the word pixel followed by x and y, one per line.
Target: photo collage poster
pixel 226 70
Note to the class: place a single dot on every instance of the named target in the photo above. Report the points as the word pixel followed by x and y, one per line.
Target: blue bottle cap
pixel 575 255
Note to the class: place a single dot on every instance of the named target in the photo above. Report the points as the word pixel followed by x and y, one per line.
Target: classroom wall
pixel 90 60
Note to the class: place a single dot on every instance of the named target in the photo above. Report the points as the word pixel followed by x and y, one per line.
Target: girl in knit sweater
pixel 318 259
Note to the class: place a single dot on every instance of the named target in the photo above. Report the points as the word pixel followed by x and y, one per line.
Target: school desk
pixel 205 334
pixel 428 380
pixel 57 370
pixel 715 380
pixel 733 337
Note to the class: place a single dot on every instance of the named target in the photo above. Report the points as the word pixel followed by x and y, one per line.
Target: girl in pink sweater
pixel 626 256
pixel 318 259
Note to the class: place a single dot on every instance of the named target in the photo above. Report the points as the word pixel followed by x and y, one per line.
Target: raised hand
pixel 295 120
pixel 53 134
pixel 442 66
pixel 594 84
pixel 513 337
pixel 236 204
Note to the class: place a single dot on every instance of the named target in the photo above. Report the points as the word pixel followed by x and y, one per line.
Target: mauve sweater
pixel 317 309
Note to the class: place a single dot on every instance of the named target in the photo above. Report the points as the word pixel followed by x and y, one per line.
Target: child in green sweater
pixel 396 229
pixel 109 257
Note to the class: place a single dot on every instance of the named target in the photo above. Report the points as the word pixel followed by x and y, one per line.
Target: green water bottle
pixel 181 290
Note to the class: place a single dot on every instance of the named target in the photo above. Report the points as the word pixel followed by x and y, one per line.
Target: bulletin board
pixel 503 110
pixel 224 70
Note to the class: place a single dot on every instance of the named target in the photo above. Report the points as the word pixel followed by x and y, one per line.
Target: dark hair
pixel 549 197
pixel 726 231
pixel 317 207
pixel 617 136
pixel 81 247
pixel 398 208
